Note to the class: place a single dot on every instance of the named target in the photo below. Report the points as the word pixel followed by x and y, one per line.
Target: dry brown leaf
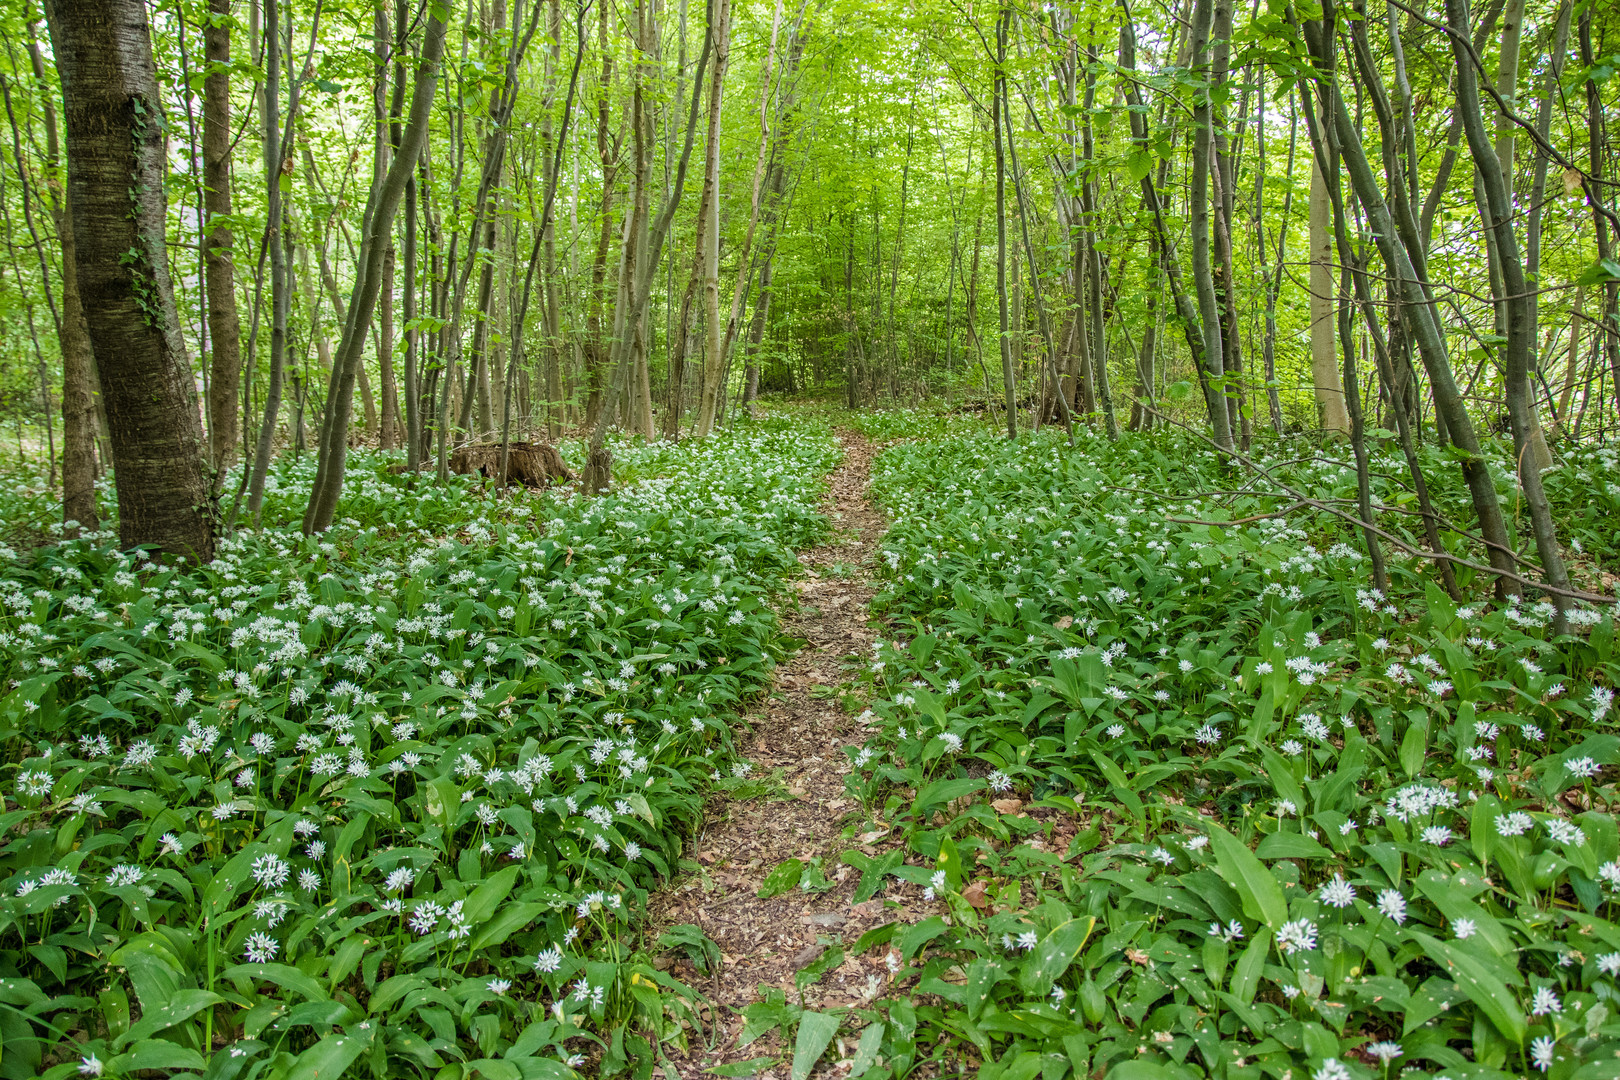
pixel 807 956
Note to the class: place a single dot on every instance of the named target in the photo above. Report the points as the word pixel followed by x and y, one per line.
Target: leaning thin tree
pixel 378 223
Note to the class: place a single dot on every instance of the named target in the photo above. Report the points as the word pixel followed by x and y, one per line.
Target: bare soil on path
pixel 797 734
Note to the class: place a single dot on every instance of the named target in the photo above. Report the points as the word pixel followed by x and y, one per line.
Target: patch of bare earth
pixel 798 732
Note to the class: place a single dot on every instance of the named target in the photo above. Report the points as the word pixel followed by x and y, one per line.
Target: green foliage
pixel 386 800
pixel 1191 799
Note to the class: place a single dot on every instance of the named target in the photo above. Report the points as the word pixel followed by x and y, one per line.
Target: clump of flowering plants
pixel 1193 799
pixel 386 799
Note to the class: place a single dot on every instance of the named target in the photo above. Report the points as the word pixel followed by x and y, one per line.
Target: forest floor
pixel 795 739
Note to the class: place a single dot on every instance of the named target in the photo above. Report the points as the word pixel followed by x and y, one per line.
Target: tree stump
pixel 530 464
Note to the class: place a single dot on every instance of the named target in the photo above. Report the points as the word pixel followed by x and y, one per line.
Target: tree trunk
pixel 1497 211
pixel 116 169
pixel 80 420
pixel 379 222
pixel 607 152
pixel 1223 174
pixel 1507 84
pixel 1395 248
pixel 1050 345
pixel 1212 372
pixel 638 417
pixel 552 146
pixel 1331 411
pixel 599 459
pixel 1608 339
pixel 545 233
pixel 1187 313
pixel 1004 330
pixel 1273 283
pixel 756 334
pixel 275 163
pixel 713 356
pixel 224 329
pixel 1093 344
pixel 763 167
pixel 1539 452
pixel 387 422
pixel 1571 363
pixel 387 436
pixel 415 450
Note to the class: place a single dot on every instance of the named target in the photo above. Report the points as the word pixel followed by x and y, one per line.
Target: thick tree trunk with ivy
pixel 116 166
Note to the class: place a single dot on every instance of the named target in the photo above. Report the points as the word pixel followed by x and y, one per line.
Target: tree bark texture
pixel 1331 412
pixel 116 167
pixel 713 358
pixel 224 327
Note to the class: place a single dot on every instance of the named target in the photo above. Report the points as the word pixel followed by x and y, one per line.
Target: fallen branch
pixel 1303 501
pixel 1284 512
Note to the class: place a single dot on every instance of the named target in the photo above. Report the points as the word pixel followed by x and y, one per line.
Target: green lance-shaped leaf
pixel 1485 990
pixel 1262 896
pixel 1053 955
pixel 816 1031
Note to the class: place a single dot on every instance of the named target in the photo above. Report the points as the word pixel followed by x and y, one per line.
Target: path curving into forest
pixel 798 733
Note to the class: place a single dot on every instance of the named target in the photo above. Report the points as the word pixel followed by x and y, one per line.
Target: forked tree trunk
pixel 599 459
pixel 1496 208
pixel 1400 252
pixel 1186 311
pixel 116 168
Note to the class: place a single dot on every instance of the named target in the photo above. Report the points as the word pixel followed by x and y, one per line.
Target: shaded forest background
pixel 421 225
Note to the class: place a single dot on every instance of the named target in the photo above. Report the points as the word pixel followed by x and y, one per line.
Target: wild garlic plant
pixel 389 796
pixel 1251 816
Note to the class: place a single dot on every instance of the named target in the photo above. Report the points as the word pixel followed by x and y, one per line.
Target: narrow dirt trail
pixel 798 732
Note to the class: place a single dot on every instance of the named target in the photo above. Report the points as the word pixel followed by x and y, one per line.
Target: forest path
pixel 796 737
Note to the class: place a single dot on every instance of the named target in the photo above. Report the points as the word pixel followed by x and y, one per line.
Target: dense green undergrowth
pixel 1254 819
pixel 385 800
pixel 1187 798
